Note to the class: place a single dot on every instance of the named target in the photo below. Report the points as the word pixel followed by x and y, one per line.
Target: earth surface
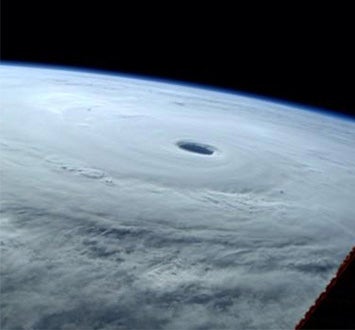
pixel 138 204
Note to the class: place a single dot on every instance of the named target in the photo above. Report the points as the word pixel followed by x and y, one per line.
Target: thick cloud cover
pixel 107 224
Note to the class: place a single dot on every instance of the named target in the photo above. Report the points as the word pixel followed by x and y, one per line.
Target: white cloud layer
pixel 107 224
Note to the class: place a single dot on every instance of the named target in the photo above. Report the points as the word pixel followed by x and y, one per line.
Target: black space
pixel 302 55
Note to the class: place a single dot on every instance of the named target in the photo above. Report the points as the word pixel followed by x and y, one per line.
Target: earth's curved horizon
pixel 136 204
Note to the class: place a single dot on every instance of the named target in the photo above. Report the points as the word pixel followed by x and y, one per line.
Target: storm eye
pixel 197 148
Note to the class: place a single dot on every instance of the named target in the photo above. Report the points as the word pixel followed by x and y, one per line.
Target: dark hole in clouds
pixel 198 148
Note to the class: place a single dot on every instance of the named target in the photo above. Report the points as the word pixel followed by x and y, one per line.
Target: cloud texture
pixel 107 224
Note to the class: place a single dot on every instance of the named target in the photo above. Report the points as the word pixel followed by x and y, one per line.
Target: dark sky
pixel 298 54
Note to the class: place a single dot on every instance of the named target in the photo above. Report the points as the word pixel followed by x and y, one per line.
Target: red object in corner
pixel 335 307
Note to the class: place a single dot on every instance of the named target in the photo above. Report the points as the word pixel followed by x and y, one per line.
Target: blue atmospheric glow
pixel 269 99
